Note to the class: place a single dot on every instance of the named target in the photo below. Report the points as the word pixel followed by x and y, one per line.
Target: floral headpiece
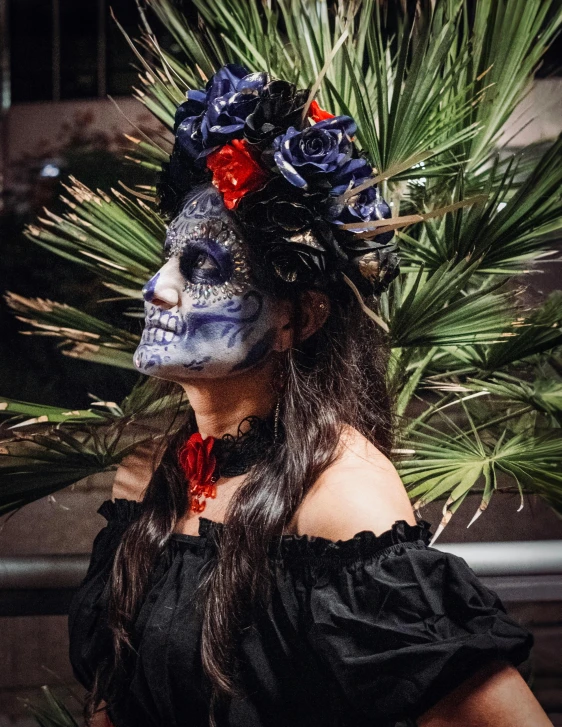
pixel 287 170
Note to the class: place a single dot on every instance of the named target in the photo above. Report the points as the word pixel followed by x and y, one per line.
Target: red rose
pixel 318 114
pixel 235 172
pixel 197 460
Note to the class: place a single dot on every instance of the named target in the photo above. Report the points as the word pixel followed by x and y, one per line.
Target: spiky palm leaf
pixel 38 463
pixel 51 711
pixel 82 335
pixel 478 454
pixel 111 234
pixel 431 91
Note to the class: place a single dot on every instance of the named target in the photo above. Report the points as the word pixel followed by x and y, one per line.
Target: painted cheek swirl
pixel 230 321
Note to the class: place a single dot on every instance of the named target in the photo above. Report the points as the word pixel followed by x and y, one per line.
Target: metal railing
pixel 517 571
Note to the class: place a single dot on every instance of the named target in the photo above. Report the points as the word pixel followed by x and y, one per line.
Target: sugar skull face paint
pixel 204 316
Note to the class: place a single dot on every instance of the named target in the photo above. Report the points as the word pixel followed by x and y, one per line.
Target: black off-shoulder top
pixel 367 632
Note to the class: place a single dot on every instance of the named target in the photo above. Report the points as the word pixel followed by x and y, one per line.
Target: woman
pixel 273 572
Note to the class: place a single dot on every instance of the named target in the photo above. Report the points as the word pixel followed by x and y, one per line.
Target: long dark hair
pixel 334 378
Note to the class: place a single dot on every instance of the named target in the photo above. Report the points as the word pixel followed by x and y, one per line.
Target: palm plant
pixel 51 710
pixel 476 368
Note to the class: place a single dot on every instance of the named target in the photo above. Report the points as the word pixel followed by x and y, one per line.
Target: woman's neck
pixel 220 405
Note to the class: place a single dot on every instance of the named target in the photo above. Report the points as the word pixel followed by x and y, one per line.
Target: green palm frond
pixel 40 413
pixel 435 310
pixel 82 335
pixel 161 99
pixel 516 231
pixel 469 459
pixel 151 397
pixel 51 711
pixel 538 332
pixel 119 238
pixel 37 463
pixel 44 449
pixel 543 395
pixel 508 41
pixel 203 59
pixel 509 230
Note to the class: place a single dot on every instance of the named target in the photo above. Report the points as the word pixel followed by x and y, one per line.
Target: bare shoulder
pixel 361 490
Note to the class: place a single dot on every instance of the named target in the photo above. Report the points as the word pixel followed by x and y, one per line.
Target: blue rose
pixel 353 173
pixel 366 206
pixel 225 80
pixel 188 136
pixel 187 122
pixel 320 149
pixel 212 117
pixel 193 107
pixel 226 115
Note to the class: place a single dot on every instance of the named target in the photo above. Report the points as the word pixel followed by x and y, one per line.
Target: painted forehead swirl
pixel 204 231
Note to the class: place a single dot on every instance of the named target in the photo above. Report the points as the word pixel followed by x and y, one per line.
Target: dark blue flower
pixel 226 115
pixel 225 80
pixel 212 117
pixel 187 123
pixel 194 106
pixel 232 95
pixel 366 206
pixel 320 149
pixel 351 174
pixel 188 135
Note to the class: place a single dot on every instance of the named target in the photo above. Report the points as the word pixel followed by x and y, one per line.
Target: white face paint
pixel 204 316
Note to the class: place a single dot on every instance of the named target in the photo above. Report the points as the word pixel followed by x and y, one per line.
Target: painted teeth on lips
pixel 157 325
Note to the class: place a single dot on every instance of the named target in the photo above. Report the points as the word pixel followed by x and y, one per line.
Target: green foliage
pixel 51 711
pixel 115 236
pixel 83 336
pixel 431 87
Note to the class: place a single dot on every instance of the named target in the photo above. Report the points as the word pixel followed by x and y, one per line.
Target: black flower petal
pixel 280 105
pixel 281 206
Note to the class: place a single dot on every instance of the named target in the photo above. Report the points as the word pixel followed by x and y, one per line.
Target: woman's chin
pixel 183 372
pixel 152 361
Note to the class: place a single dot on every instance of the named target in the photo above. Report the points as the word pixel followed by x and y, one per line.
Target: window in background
pixel 79 40
pixel 31 58
pixel 120 73
pixel 70 49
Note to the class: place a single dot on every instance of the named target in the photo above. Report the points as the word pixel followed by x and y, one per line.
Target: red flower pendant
pixel 199 464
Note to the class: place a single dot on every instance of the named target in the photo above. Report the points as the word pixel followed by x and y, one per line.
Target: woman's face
pixel 204 316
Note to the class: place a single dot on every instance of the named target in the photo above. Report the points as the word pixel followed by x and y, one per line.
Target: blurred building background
pixel 60 59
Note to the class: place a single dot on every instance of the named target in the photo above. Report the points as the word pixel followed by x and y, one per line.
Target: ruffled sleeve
pixel 400 624
pixel 87 630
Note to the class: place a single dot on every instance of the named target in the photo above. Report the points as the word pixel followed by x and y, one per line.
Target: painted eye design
pixel 198 265
pixel 211 257
pixel 206 263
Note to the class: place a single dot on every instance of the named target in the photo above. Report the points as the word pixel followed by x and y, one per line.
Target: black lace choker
pixel 205 461
pixel 236 454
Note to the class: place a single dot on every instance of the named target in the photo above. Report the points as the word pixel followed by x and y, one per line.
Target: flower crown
pixel 287 170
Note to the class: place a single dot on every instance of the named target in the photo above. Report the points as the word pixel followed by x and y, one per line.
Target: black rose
pixel 280 105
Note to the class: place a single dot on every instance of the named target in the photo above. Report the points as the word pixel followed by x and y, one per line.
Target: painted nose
pixel 158 293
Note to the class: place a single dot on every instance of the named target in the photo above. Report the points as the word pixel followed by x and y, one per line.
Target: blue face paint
pixel 148 290
pixel 204 316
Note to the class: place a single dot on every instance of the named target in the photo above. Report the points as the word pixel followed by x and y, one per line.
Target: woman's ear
pixel 315 308
pixel 286 326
